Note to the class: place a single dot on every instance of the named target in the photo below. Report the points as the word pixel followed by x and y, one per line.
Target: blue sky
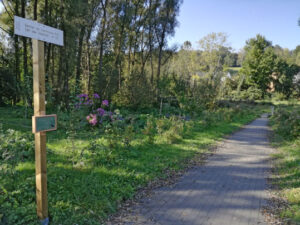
pixel 277 20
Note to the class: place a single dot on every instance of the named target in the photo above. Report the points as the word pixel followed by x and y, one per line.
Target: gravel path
pixel 229 189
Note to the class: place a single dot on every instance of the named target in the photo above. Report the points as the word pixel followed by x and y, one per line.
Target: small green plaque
pixel 44 123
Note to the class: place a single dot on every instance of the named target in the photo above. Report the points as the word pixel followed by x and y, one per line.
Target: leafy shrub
pixel 162 125
pixel 15 146
pixel 128 135
pixel 287 122
pixel 251 94
pixel 131 95
pixel 174 130
pixel 209 118
pixel 150 129
pixel 138 121
pixel 278 96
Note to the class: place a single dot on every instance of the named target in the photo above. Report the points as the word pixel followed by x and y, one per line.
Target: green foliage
pixel 175 132
pixel 285 124
pixel 251 94
pixel 172 130
pixel 16 199
pixel 7 86
pixel 264 64
pixel 112 165
pixel 131 38
pixel 128 135
pixel 135 92
pixel 150 130
pixel 15 146
pixel 259 62
pixel 278 96
pixel 213 46
pixel 296 85
pixel 284 76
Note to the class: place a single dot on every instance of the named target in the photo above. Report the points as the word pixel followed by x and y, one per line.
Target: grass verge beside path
pixel 87 191
pixel 286 138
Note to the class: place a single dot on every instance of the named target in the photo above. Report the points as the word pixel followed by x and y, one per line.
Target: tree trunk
pixel 88 60
pixel 158 67
pixel 52 67
pixel 102 34
pixel 48 45
pixel 150 42
pixel 78 66
pixel 160 50
pixel 118 62
pixel 25 64
pixel 61 67
pixel 17 60
pixel 35 9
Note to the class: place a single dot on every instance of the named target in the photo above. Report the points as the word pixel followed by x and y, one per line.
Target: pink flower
pixel 92 119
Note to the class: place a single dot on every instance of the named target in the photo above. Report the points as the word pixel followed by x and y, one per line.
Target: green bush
pixel 15 146
pixel 287 122
pixel 278 96
pixel 150 129
pixel 250 94
pixel 174 130
pixel 162 125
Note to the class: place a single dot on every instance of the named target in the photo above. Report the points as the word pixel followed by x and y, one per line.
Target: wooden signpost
pixel 40 121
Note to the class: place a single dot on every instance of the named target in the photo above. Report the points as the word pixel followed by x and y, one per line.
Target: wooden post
pixel 40 138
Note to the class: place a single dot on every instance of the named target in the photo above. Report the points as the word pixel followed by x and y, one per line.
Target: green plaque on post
pixel 44 123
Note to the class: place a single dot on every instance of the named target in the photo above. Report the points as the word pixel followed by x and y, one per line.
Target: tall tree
pixel 259 62
pixel 165 26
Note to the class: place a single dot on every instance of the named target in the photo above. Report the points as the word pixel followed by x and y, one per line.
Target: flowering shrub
pixel 96 96
pixel 83 99
pixel 101 111
pixel 105 102
pixel 120 130
pixel 92 119
pixel 98 113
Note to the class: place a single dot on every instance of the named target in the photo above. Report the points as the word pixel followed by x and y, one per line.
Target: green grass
pixel 88 180
pixel 288 166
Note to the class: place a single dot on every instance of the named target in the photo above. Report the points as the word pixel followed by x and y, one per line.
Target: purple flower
pixel 96 95
pixel 83 96
pixel 101 111
pixel 105 102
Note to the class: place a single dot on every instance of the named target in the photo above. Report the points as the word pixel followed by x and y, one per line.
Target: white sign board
pixel 38 31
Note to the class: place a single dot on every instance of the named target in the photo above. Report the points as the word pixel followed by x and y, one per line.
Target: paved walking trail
pixel 228 189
